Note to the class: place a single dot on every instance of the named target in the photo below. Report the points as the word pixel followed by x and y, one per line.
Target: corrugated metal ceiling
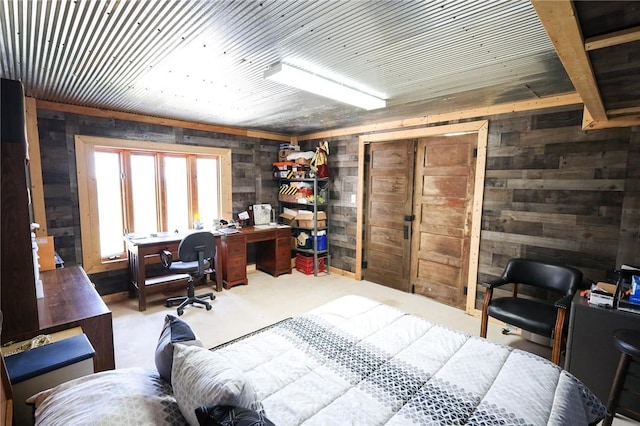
pixel 204 61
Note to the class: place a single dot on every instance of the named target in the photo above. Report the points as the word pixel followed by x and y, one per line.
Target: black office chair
pixel 196 252
pixel 536 316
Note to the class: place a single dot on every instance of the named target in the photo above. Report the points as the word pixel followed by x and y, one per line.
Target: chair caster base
pixel 186 301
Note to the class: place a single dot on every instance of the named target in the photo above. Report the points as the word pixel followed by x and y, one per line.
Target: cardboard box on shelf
pixel 289 198
pixel 608 287
pixel 305 219
pixel 287 149
pixel 46 253
pixel 289 217
pixel 283 153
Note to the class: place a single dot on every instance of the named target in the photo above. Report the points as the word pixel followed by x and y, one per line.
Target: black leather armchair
pixel 196 252
pixel 536 316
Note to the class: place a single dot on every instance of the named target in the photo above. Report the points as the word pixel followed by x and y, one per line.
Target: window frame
pixel 92 261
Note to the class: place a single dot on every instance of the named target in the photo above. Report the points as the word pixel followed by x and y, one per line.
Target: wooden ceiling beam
pixel 588 123
pixel 612 39
pixel 426 120
pixel 560 20
pixel 76 109
pixel 623 111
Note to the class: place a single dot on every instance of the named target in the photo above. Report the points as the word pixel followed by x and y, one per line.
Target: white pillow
pixel 200 377
pixel 129 396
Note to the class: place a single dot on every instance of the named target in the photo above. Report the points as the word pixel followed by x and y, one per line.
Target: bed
pixel 353 361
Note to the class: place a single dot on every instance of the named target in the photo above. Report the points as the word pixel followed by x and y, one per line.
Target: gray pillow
pixel 174 331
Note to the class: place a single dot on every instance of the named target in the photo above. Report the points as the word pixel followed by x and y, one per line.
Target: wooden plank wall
pixel 252 173
pixel 629 247
pixel 553 193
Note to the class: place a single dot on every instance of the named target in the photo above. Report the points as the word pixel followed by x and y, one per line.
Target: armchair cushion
pixel 536 317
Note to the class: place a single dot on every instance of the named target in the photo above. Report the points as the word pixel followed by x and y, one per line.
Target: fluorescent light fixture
pixel 457 133
pixel 304 80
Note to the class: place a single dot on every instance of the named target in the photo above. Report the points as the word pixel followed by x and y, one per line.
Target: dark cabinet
pixel 17 282
pixel 591 355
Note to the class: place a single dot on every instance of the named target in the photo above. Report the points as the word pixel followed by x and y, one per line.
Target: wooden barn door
pixel 389 191
pixel 443 198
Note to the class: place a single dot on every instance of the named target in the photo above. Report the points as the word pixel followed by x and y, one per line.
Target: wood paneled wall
pixel 629 247
pixel 252 173
pixel 555 193
pixel 552 191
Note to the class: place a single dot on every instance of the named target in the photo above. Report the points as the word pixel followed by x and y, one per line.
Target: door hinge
pixel 413 289
pixel 364 264
pixel 409 217
pixel 475 152
pixel 464 291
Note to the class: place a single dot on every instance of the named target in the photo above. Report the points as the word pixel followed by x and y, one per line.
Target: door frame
pixel 480 127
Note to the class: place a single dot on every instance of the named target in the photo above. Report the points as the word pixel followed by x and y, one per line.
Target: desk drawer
pixel 152 251
pixel 236 270
pixel 236 250
pixel 283 263
pixel 283 253
pixel 284 233
pixel 261 236
pixel 283 248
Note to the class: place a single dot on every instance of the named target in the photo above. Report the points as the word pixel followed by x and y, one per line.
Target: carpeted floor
pixel 266 300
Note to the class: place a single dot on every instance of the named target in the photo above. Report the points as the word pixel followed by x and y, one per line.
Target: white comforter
pixel 355 361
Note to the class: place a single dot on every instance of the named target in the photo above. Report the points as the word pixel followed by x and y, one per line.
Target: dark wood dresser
pixel 70 300
pixel 591 355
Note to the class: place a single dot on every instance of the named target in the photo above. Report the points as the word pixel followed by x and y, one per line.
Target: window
pixel 145 188
pixel 109 202
pixel 176 185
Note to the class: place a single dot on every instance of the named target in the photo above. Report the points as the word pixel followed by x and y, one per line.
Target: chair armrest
pixel 166 258
pixel 564 302
pixel 497 283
